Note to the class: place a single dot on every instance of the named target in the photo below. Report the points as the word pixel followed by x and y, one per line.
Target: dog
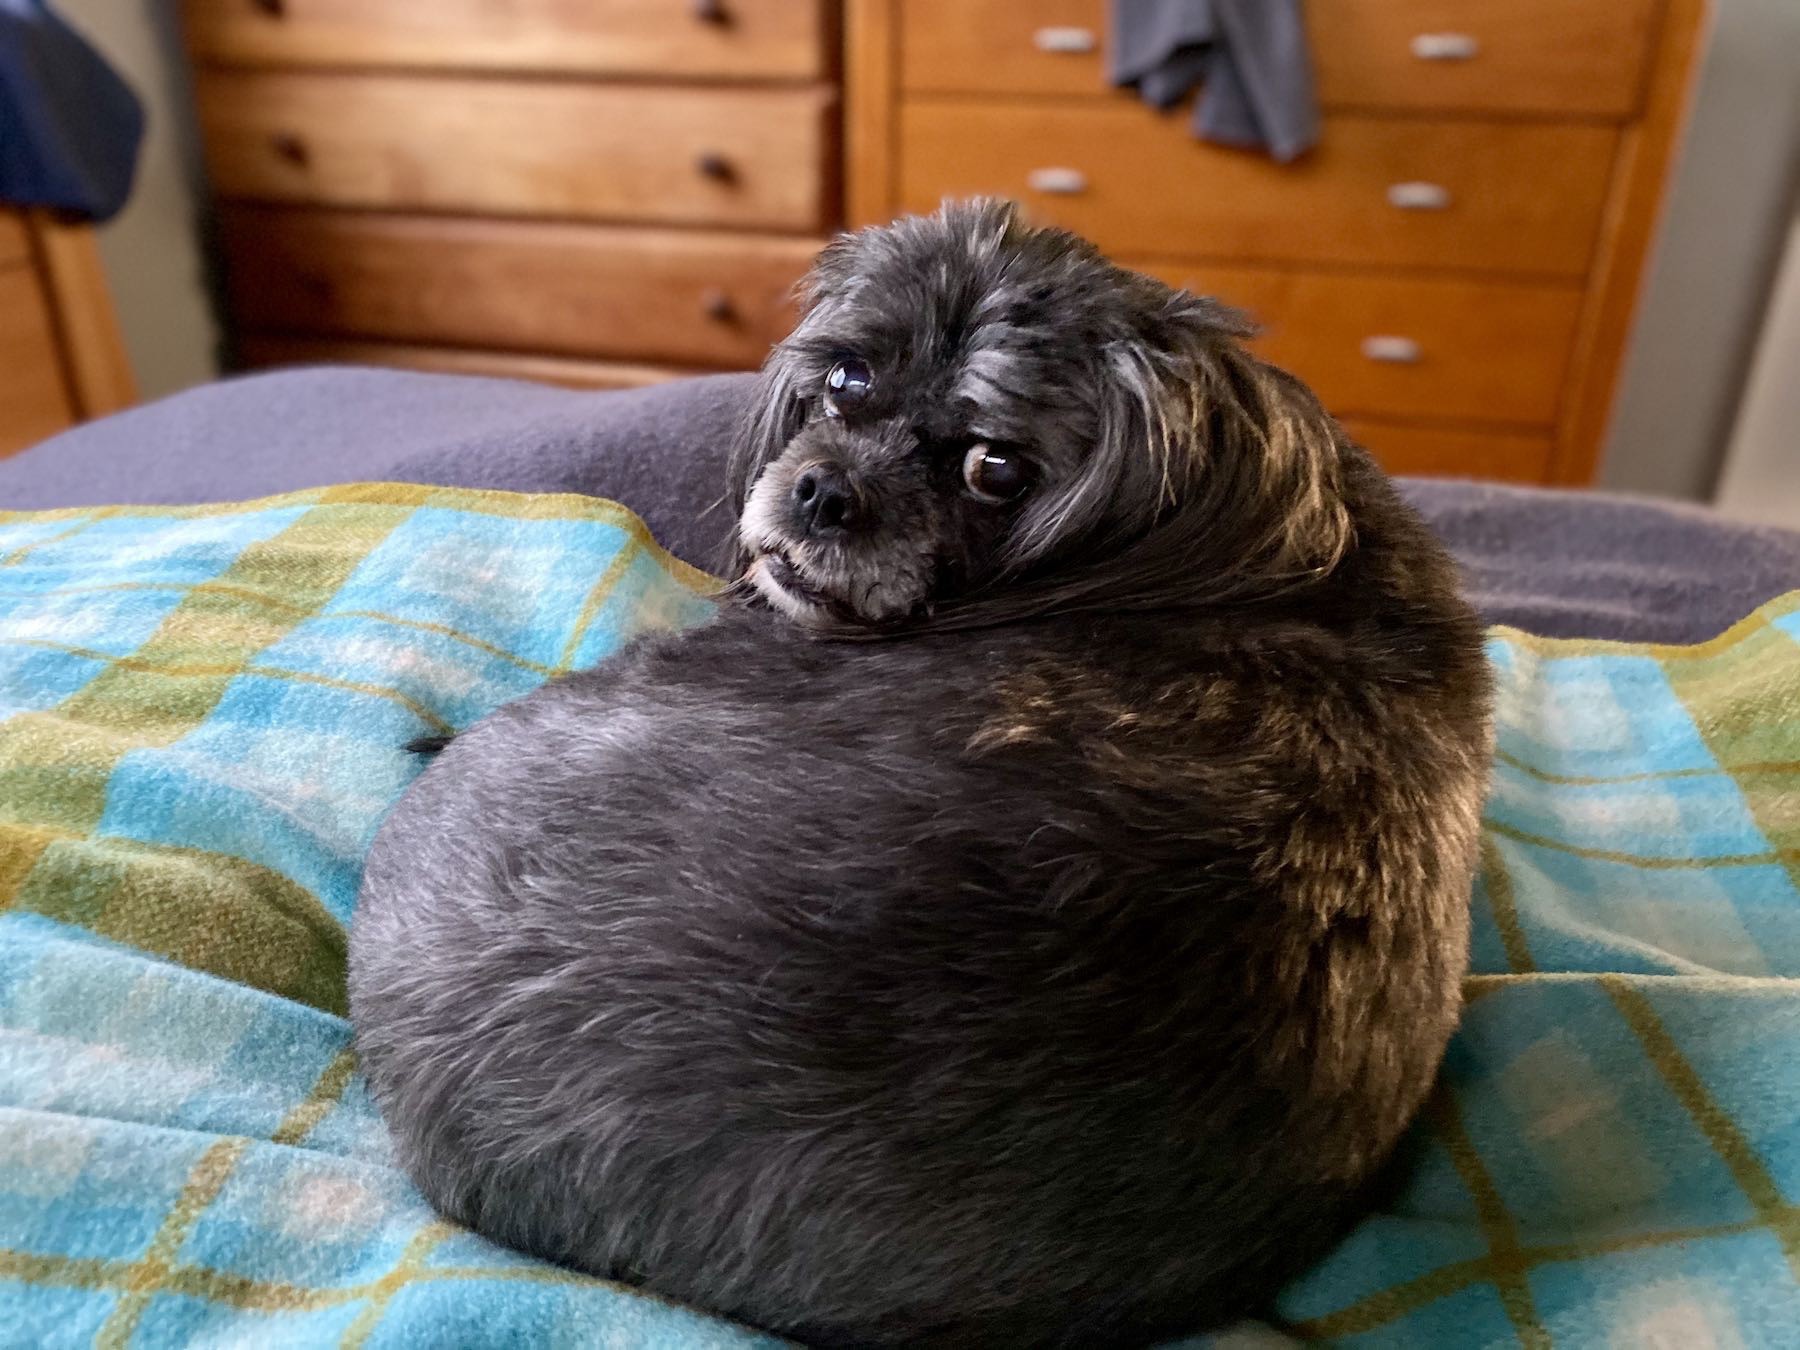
pixel 1033 908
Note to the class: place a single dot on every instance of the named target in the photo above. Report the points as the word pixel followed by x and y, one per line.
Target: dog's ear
pixel 778 407
pixel 1296 457
pixel 775 416
pixel 1153 383
pixel 1233 462
pixel 1257 461
pixel 1244 448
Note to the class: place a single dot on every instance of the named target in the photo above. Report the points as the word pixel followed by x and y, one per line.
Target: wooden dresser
pixel 61 359
pixel 612 191
pixel 601 193
pixel 1453 268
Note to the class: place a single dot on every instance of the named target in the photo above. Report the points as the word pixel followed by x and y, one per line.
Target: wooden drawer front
pixel 34 400
pixel 744 157
pixel 1584 57
pixel 1003 47
pixel 1405 346
pixel 15 247
pixel 646 295
pixel 256 350
pixel 1454 452
pixel 1515 196
pixel 752 39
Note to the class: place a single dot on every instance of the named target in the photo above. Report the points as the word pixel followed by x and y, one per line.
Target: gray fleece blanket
pixel 1559 564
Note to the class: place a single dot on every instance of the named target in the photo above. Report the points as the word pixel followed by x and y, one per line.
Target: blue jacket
pixel 69 126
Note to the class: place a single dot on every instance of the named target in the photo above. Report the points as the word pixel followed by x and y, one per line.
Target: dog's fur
pixel 1038 928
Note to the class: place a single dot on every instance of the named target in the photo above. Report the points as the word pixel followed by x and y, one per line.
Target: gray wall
pixel 1714 264
pixel 151 251
pixel 1761 480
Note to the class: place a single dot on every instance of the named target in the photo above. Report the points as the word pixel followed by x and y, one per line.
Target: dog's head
pixel 976 420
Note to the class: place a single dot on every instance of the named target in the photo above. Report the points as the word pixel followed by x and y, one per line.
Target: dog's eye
pixel 847 387
pixel 994 475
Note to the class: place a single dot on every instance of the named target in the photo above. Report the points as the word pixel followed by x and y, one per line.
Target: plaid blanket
pixel 200 715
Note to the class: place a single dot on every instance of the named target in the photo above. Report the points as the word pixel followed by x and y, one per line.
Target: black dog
pixel 1035 930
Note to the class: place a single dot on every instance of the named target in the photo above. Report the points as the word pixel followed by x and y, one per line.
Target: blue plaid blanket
pixel 200 715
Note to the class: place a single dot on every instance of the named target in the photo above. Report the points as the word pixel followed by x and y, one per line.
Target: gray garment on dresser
pixel 1249 58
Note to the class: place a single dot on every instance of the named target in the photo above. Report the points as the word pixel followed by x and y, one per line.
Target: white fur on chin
pixel 797 609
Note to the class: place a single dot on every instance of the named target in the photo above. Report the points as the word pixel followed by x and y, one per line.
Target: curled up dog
pixel 1034 906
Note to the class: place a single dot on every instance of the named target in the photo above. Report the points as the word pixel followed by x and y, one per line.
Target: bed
pixel 222 615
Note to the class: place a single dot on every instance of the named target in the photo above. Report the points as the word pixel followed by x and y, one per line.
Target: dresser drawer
pixel 1406 346
pixel 34 400
pixel 1454 452
pixel 258 350
pixel 15 247
pixel 688 155
pixel 677 296
pixel 1586 58
pixel 733 39
pixel 1543 56
pixel 1409 192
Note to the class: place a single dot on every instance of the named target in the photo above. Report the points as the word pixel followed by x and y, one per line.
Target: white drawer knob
pixel 1062 182
pixel 1395 351
pixel 1067 41
pixel 1419 196
pixel 1445 47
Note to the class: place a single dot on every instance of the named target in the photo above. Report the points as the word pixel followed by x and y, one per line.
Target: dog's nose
pixel 823 502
